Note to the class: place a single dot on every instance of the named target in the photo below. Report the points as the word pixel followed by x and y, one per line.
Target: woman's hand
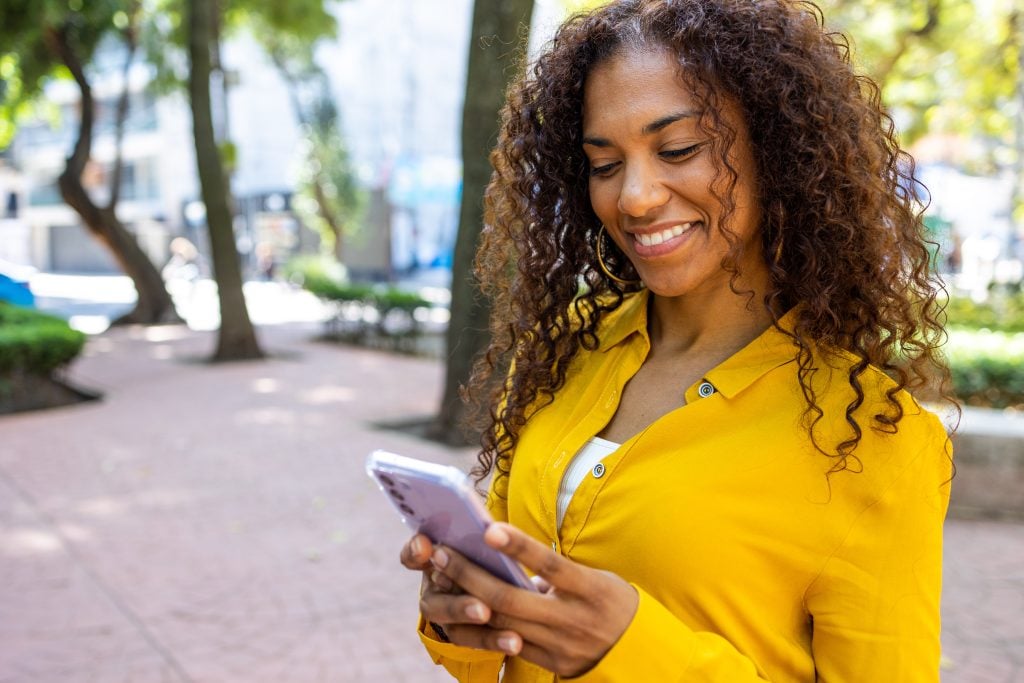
pixel 416 555
pixel 567 627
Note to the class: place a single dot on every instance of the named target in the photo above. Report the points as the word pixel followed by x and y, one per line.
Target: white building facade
pixel 397 72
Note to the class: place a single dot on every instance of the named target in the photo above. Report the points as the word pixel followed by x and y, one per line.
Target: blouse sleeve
pixel 875 604
pixel 467 664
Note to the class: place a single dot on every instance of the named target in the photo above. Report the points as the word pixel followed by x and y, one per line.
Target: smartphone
pixel 440 502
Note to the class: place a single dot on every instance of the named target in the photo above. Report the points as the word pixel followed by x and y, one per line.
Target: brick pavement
pixel 214 524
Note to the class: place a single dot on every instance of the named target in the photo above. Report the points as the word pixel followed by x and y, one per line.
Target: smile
pixel 655 238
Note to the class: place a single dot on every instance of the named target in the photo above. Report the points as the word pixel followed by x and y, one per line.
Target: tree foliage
pixel 328 197
pixel 49 39
pixel 27 61
pixel 945 66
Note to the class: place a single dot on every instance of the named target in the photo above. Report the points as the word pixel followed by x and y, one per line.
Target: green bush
pixel 1002 312
pixel 391 298
pixel 338 291
pixel 325 278
pixel 300 269
pixel 34 342
pixel 987 367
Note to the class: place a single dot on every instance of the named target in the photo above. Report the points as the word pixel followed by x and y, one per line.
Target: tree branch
pixel 58 40
pixel 131 42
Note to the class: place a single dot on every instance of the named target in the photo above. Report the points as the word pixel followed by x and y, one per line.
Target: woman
pixel 706 449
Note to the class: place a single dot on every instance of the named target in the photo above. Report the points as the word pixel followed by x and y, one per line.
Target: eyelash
pixel 672 155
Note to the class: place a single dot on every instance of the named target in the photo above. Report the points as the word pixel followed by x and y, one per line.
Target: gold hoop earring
pixel 604 268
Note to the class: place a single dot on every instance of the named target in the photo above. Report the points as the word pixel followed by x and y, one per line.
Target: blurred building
pixel 398 79
pixel 152 184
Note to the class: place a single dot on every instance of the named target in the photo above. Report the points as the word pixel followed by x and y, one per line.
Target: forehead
pixel 635 84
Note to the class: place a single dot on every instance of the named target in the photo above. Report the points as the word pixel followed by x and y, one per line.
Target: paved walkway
pixel 214 523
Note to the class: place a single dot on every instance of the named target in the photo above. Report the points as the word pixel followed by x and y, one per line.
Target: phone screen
pixel 439 501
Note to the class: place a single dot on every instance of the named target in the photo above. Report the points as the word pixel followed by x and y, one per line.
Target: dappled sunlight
pixel 165 333
pixel 270 417
pixel 102 507
pixel 89 324
pixel 265 385
pixel 328 394
pixel 26 542
pixel 74 532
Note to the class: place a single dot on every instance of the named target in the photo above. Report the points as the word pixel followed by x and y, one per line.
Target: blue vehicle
pixel 14 286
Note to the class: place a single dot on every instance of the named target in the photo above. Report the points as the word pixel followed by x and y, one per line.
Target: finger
pixel 492 591
pixel 442 582
pixel 485 638
pixel 448 608
pixel 444 586
pixel 536 632
pixel 558 571
pixel 416 553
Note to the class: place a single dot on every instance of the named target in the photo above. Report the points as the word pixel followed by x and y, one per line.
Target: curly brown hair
pixel 841 224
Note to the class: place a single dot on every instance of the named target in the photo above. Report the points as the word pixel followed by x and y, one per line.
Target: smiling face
pixel 652 178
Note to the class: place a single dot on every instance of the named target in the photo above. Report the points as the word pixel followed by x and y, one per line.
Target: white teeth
pixel 651 239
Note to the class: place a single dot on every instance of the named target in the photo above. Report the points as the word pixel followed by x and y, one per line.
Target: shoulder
pixel 896 430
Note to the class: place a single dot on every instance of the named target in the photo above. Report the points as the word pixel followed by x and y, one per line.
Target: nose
pixel 642 191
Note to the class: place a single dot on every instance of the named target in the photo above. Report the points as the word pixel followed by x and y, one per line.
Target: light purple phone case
pixel 440 502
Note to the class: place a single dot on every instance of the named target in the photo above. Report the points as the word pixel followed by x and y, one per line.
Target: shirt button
pixel 598 471
pixel 554 546
pixel 705 389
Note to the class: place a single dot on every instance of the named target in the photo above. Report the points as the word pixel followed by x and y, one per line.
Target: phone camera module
pixel 407 510
pixel 387 481
pixel 396 495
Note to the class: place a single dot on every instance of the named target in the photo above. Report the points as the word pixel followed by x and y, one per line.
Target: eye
pixel 685 152
pixel 604 170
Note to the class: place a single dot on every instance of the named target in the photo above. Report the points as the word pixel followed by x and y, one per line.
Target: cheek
pixel 604 201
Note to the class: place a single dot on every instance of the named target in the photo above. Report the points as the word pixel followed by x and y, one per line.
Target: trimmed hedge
pixel 1002 312
pixel 34 342
pixel 325 279
pixel 987 367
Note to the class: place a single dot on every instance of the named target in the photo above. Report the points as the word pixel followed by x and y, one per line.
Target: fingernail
pixel 417 545
pixel 475 611
pixel 509 644
pixel 499 535
pixel 440 558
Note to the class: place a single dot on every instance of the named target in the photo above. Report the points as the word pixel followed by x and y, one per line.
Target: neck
pixel 694 325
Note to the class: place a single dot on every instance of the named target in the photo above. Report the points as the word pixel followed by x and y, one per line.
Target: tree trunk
pixel 501 23
pixel 307 122
pixel 237 338
pixel 154 304
pixel 333 223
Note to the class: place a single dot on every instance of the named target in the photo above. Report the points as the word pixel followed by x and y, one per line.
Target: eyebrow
pixel 652 127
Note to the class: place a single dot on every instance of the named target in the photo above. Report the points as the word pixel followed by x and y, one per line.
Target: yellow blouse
pixel 750 562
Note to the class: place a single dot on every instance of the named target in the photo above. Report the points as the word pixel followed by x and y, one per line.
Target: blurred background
pixel 296 185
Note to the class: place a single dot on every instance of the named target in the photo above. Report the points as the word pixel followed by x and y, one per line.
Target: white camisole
pixel 582 463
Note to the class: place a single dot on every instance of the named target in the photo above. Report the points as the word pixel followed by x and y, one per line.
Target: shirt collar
pixel 630 317
pixel 768 351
